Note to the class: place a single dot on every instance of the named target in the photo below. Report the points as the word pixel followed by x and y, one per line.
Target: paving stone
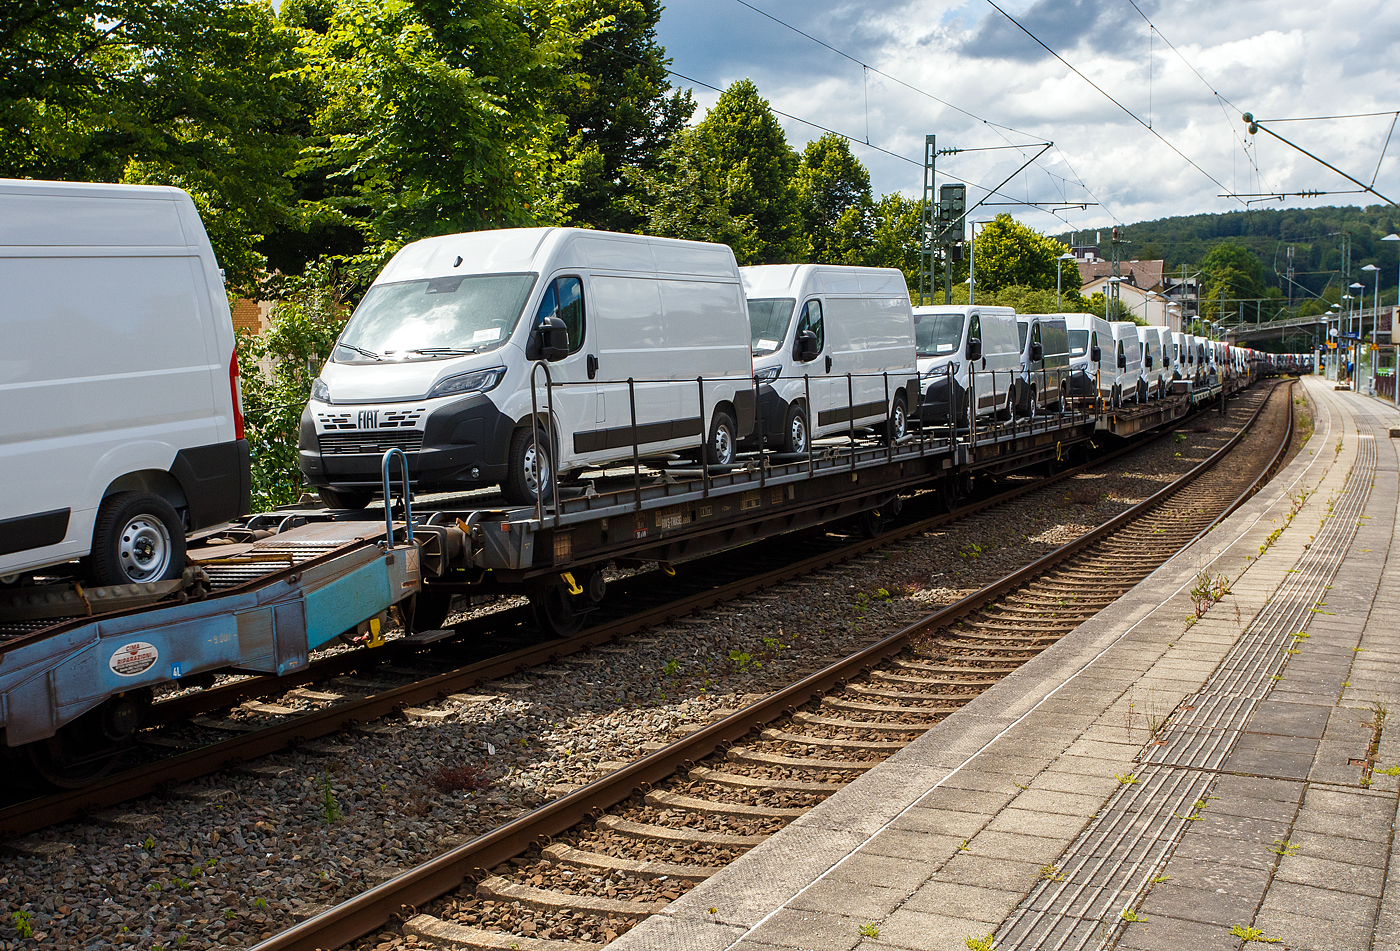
pixel 864 900
pixel 925 932
pixel 1369 828
pixel 1338 876
pixel 1197 904
pixel 825 931
pixel 1167 934
pixel 1045 801
pixel 1339 849
pixel 905 874
pixel 980 904
pixel 1051 825
pixel 1305 933
pixel 962 825
pixel 1006 874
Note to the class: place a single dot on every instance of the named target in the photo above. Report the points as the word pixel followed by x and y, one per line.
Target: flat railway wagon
pixel 80 667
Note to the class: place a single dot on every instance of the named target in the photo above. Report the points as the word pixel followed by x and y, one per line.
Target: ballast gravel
pixel 230 859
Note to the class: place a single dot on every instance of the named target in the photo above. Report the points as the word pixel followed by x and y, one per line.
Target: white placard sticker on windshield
pixel 767 345
pixel 487 335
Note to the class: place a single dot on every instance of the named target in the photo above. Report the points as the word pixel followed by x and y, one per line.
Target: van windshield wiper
pixel 362 352
pixel 444 351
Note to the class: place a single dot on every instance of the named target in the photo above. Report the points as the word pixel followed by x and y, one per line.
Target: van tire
pixel 344 498
pixel 897 426
pixel 138 538
pixel 797 435
pixel 722 447
pixel 518 488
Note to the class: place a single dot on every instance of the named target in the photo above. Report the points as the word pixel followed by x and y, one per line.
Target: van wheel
pixel 1032 409
pixel 344 498
pixel 897 426
pixel 138 538
pixel 525 473
pixel 795 434
pixel 722 446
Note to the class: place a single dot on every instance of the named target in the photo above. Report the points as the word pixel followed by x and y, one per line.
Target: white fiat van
pixel 444 353
pixel 1091 356
pixel 1156 363
pixel 1044 363
pixel 841 337
pixel 1128 357
pixel 120 421
pixel 966 349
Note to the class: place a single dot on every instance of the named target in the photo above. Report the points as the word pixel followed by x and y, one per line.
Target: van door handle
pixel 984 363
pixel 592 366
pixel 828 364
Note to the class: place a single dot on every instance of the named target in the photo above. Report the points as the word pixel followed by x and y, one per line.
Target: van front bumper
pixel 462 445
pixel 937 407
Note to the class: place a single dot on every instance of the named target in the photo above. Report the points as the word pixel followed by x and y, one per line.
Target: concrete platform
pixel 1144 784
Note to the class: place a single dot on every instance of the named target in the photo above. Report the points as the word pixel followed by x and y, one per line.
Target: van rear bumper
pixel 216 481
pixel 462 445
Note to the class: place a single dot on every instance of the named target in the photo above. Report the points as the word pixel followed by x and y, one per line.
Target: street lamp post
pixel 1357 290
pixel 1375 317
pixel 1395 373
pixel 1059 273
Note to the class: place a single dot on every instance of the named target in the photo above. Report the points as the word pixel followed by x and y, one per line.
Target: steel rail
pixel 370 910
pixel 41 812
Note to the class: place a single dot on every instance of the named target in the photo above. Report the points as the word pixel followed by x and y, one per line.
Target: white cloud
pixel 1275 58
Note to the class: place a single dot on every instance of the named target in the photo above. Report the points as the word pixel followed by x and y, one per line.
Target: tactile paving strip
pixel 1108 868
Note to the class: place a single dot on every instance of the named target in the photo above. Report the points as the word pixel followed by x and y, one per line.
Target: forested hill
pixel 1312 232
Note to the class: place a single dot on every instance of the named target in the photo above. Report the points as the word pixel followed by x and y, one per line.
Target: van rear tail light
pixel 236 391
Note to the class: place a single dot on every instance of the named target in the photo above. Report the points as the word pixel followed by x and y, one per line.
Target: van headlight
pixel 320 391
pixel 478 381
pixel 767 374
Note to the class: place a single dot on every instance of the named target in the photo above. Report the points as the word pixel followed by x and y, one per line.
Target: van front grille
pixel 368 443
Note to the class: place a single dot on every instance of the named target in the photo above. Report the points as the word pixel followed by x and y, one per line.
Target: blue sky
pixel 1275 58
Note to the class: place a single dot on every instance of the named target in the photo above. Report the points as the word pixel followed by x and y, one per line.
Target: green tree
pixel 619 112
pixel 195 93
pixel 756 167
pixel 833 198
pixel 277 369
pixel 1235 273
pixel 436 116
pixel 1010 253
pixel 895 238
pixel 683 195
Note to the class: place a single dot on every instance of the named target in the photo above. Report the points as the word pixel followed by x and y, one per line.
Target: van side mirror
pixel 1096 354
pixel 807 348
pixel 1149 361
pixel 1122 361
pixel 1037 352
pixel 554 339
pixel 974 348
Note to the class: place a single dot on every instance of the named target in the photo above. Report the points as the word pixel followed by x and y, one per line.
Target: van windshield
pixel 937 334
pixel 1078 343
pixel 433 319
pixel 768 323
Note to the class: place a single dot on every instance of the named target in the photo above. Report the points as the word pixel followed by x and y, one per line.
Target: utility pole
pixel 941 228
pixel 928 221
pixel 1290 280
pixel 1114 304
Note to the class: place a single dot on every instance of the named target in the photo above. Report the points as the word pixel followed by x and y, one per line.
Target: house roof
pixel 1144 274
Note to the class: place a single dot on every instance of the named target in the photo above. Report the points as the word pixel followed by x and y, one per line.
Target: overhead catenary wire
pixel 849 138
pixel 1103 92
pixel 996 127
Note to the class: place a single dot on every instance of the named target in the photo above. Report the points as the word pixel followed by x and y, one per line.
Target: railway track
pixel 587 867
pixel 413 671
